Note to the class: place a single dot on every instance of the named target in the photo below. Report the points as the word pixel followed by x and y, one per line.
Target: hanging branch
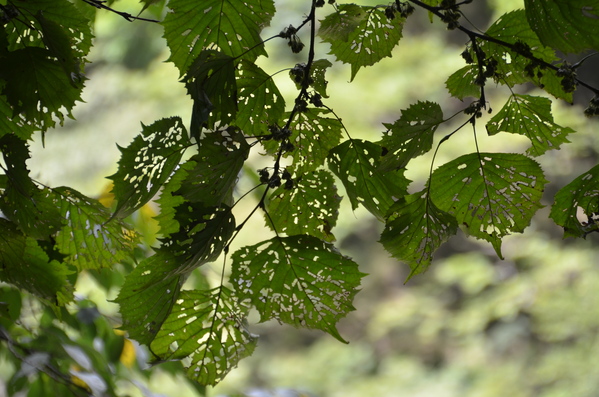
pixel 100 5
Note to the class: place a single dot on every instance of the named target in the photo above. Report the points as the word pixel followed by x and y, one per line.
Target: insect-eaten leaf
pixel 491 195
pixel 298 280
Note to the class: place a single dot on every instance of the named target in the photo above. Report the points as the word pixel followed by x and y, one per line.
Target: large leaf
pixel 88 239
pixel 415 229
pixel 26 265
pixel 567 25
pixel 37 86
pixel 411 135
pixel 147 163
pixel 360 35
pixel 298 280
pixel 490 194
pixel 582 194
pixel 357 164
pixel 260 102
pixel 232 27
pixel 9 122
pixel 148 295
pixel 209 327
pixel 530 116
pixel 309 207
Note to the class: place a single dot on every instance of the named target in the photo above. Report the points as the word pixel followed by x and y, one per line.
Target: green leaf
pixel 88 238
pixel 37 86
pixel 566 25
pixel 58 43
pixel 210 328
pixel 26 265
pixel 260 102
pixel 530 116
pixel 232 27
pixel 147 163
pixel 357 164
pixel 319 68
pixel 148 295
pixel 211 83
pixel 582 194
pixel 490 194
pixel 309 207
pixel 415 229
pixel 462 83
pixel 411 135
pixel 16 124
pixel 298 280
pixel 360 35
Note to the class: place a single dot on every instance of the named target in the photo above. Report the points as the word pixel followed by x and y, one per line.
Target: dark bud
pixel 301 105
pixel 316 100
pixel 288 32
pixel 406 9
pixel 286 175
pixel 264 176
pixel 288 147
pixel 296 44
pixel 390 12
pixel 288 184
pixel 275 181
pixel 331 1
pixel 467 56
pixel 319 3
pixel 593 108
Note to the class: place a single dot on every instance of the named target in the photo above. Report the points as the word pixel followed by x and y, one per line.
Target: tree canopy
pixel 192 169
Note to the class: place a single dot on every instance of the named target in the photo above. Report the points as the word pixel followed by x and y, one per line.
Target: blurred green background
pixel 473 325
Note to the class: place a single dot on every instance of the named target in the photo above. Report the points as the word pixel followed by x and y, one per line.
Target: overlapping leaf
pixel 309 207
pixel 147 163
pixel 357 164
pixel 415 229
pixel 299 280
pixel 410 136
pixel 582 194
pixel 260 102
pixel 232 27
pixel 567 25
pixel 26 265
pixel 320 83
pixel 209 327
pixel 530 116
pixel 490 194
pixel 462 83
pixel 88 239
pixel 360 35
pixel 9 122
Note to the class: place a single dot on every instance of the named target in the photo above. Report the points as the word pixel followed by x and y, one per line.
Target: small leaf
pixel 310 207
pixel 566 25
pixel 415 229
pixel 232 27
pixel 319 68
pixel 260 102
pixel 490 194
pixel 580 194
pixel 147 163
pixel 210 328
pixel 411 135
pixel 16 124
pixel 357 164
pixel 462 83
pixel 298 280
pixel 360 35
pixel 530 116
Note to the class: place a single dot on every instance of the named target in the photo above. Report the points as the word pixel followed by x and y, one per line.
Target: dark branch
pixel 100 5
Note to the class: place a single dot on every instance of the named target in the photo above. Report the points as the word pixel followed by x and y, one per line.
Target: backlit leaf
pixel 357 164
pixel 360 35
pixel 567 25
pixel 415 229
pixel 490 194
pixel 209 327
pixel 530 116
pixel 298 280
pixel 462 83
pixel 309 207
pixel 411 135
pixel 319 68
pixel 147 163
pixel 232 27
pixel 579 196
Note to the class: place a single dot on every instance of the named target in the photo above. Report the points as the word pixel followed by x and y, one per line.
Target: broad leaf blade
pixel 415 229
pixel 357 163
pixel 530 116
pixel 490 194
pixel 298 280
pixel 411 135
pixel 566 25
pixel 233 27
pixel 260 102
pixel 580 194
pixel 462 83
pixel 360 35
pixel 309 207
pixel 209 327
pixel 147 163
